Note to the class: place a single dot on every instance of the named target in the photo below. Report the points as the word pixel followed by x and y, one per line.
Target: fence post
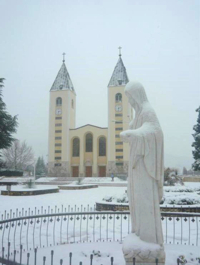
pixel 52 252
pixel 44 260
pixel 112 260
pixel 70 258
pixel 14 255
pixel 20 259
pixel 2 254
pixel 35 258
pixel 28 256
pixel 91 259
pixel 133 261
pixel 8 251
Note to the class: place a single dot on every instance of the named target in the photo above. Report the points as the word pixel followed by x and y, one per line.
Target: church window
pixel 117 135
pixel 118 115
pixel 58 144
pixel 58 151
pixel 58 118
pixel 118 97
pixel 76 147
pixel 58 138
pixel 118 122
pixel 58 158
pixel 102 146
pixel 89 143
pixel 119 157
pixel 58 124
pixel 118 129
pixel 59 102
pixel 58 131
pixel 118 143
pixel 119 150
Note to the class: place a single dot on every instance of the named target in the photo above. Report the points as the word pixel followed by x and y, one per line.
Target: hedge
pixel 11 173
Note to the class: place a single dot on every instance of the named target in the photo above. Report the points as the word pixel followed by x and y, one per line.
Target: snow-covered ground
pixel 81 197
pixel 104 251
pixel 25 188
pixel 87 198
pixel 187 195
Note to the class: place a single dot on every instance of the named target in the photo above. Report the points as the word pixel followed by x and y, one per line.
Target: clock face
pixel 58 111
pixel 118 108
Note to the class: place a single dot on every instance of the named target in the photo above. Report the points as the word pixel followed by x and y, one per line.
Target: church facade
pixel 87 151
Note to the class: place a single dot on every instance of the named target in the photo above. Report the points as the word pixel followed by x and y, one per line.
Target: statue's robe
pixel 145 176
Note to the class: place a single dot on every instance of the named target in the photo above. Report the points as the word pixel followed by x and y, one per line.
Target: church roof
pixel 62 81
pixel 119 76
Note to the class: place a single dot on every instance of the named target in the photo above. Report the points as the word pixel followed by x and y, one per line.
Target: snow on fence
pixel 48 228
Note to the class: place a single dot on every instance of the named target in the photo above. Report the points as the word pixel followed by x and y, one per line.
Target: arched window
pixel 59 102
pixel 118 97
pixel 89 143
pixel 102 146
pixel 76 147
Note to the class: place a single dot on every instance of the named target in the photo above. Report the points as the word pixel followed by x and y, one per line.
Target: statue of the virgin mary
pixel 146 171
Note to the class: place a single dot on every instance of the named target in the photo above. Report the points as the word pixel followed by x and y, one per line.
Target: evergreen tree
pixel 8 124
pixel 40 166
pixel 196 143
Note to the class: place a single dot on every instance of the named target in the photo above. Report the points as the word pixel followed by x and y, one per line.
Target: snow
pixel 37 187
pixel 82 252
pixel 45 179
pixel 173 195
pixel 103 180
pixel 64 197
pixel 16 179
pixel 75 184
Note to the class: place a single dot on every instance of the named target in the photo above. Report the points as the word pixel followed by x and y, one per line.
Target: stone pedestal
pixel 143 252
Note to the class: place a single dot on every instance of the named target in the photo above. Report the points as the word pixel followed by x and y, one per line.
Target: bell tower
pixel 119 114
pixel 62 113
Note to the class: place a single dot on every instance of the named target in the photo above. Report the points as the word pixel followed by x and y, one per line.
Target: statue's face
pixel 132 102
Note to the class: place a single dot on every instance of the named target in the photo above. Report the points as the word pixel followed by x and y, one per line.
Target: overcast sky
pixel 160 43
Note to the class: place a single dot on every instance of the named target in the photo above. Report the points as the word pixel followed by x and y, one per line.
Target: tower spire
pixel 119 76
pixel 63 57
pixel 120 51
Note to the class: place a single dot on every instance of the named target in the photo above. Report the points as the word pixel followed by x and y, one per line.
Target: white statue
pixel 145 178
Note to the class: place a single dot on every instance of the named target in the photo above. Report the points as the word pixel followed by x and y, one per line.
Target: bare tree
pixel 18 156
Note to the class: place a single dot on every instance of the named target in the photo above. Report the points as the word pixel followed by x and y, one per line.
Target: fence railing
pixel 51 227
pixel 25 259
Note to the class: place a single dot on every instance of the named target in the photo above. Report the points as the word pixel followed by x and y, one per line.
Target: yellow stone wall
pixel 91 158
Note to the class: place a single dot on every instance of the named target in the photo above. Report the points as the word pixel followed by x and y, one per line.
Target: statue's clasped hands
pixel 127 136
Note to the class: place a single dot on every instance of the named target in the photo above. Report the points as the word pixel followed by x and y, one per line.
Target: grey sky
pixel 160 48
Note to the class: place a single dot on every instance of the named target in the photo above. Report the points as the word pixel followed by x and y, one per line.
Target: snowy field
pixel 81 197
pixel 103 253
pixel 86 199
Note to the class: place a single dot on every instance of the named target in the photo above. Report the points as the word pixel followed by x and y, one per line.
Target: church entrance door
pixel 88 171
pixel 102 171
pixel 75 172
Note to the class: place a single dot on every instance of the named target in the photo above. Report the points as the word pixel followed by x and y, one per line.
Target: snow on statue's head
pixel 136 93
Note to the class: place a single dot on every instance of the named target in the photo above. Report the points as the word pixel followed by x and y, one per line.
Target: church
pixel 88 151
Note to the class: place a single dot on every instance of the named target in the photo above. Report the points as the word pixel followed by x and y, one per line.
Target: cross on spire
pixel 63 57
pixel 120 51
